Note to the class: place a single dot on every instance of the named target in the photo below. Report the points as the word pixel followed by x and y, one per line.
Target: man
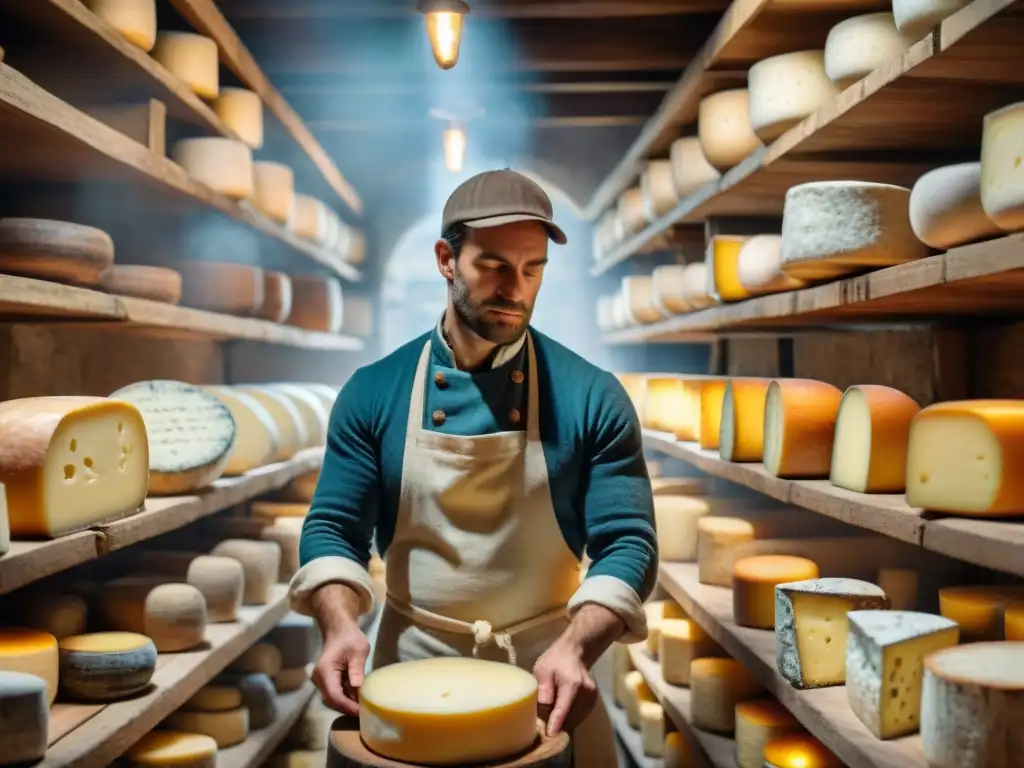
pixel 486 458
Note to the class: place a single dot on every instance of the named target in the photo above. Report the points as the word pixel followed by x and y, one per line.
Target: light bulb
pixel 444 28
pixel 454 149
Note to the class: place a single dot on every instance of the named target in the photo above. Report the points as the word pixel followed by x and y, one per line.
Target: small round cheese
pixel 215 697
pixel 724 129
pixel 638 295
pixel 242 111
pixel 288 680
pixel 105 666
pixel 162 749
pixel 134 19
pixel 785 89
pixel 799 427
pixel 759 266
pixel 192 58
pixel 24 717
pixel 221 580
pixel 798 750
pixel 261 561
pixel 225 728
pixel 860 45
pixel 1002 173
pixel 173 615
pixel 658 185
pixel 757 722
pixel 273 189
pixel 945 207
pixel 676 520
pixel 979 609
pixel 298 639
pixel 716 687
pixel 690 167
pixel 916 18
pixel 753 586
pixel 32 652
pixel 224 165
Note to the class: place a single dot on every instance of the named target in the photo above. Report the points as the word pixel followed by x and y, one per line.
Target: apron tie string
pixel 483 633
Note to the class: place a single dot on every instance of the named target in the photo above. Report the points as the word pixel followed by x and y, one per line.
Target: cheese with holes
pixel 811 627
pixel 288 680
pixel 672 404
pixel 1002 172
pixel 900 586
pixel 1013 621
pixel 680 288
pixel 690 167
pixel 33 652
pixel 638 295
pixel 273 189
pixel 652 728
pixel 134 19
pixel 261 561
pixel 105 666
pixel 723 126
pixel 830 228
pixel 964 457
pixel 722 259
pixel 311 409
pixel 161 749
pixel 757 722
pixel 676 520
pixel 680 641
pixel 259 658
pixel 741 434
pixel 753 586
pixel 291 427
pixel 978 610
pixel 419 710
pixel 637 691
pixel 622 665
pixel 916 18
pixel 869 454
pixel 712 398
pixel 24 717
pixel 861 44
pixel 659 188
pixel 679 751
pixel 241 110
pixel 257 436
pixel 716 687
pixel 799 427
pixel 759 266
pixel 785 89
pixel 885 653
pixel 224 165
pixel 259 697
pixel 298 639
pixel 972 705
pixel 220 286
pixel 173 615
pixel 215 697
pixel 317 304
pixel 945 207
pixel 226 728
pixel 191 434
pixel 717 537
pixel 192 58
pixel 277 296
pixel 62 615
pixel 68 463
pixel 798 750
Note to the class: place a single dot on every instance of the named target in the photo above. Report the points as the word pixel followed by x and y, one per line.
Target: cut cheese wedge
pixel 105 666
pixel 799 427
pixel 758 722
pixel 257 437
pixel 753 586
pixel 298 639
pixel 219 286
pixel 717 686
pixel 978 610
pixel 798 750
pixel 32 652
pixel 741 435
pixel 24 718
pixel 161 749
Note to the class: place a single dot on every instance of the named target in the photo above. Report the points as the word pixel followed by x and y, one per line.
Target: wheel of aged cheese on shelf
pixel 310 408
pixel 672 405
pixel 757 722
pixel 741 435
pixel 224 165
pixel 759 266
pixel 679 288
pixel 676 518
pixel 159 749
pixel 134 19
pixel 313 728
pixel 54 250
pixel 638 296
pixel 257 436
pixel 298 639
pixel 277 297
pixel 690 167
pixel 724 129
pixel 712 399
pixel 105 666
pixel 291 427
pixel 221 580
pixel 143 282
pixel 288 680
pixel 226 728
pixel 631 211
pixel 192 58
pixel 972 702
pixel 716 687
pixel 869 454
pixel 1002 177
pixel 679 751
pixel 215 697
pixel 220 286
pixel 972 471
pixel 946 210
pixel 260 657
pixel 317 304
pixel 309 218
pixel 753 586
pixel 916 18
pixel 717 538
pixel 261 561
pixel 859 45
pixel 273 190
pixel 286 533
pixel 622 665
pixel 680 641
pixel 798 750
pixel 785 89
pixel 637 691
pixel 799 427
pixel 24 718
pixel 61 615
pixel 979 610
pixel 831 228
pixel 657 611
pixel 1013 621
pixel 241 110
pixel 652 729
pixel 658 185
pixel 33 652
pixel 172 615
pixel 69 463
pixel 722 260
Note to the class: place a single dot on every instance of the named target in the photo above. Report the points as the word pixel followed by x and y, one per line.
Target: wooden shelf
pixel 45 138
pixel 992 544
pixel 261 744
pixel 628 736
pixel 825 712
pixel 718 751
pixel 92 736
pixel 931 99
pixel 29 561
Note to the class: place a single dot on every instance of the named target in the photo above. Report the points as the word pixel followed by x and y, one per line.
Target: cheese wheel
pixel 54 250
pixel 712 399
pixel 622 665
pixel 317 304
pixel 144 282
pixel 291 427
pixel 241 110
pixel 277 297
pixel 724 129
pixel 286 533
pixel 830 228
pixel 257 437
pixel 32 652
pixel 224 165
pixel 759 266
pixel 679 288
pixel 298 639
pixel 717 537
pixel 716 687
pixel 799 427
pixel 676 520
pixel 885 654
pixel 159 749
pixel 859 45
pixel 656 612
pixel 288 680
pixel 309 218
pixel 672 404
pixel 757 722
pixel 916 18
pixel 785 89
pixel 753 586
pixel 273 190
pixel 637 691
pixel 261 561
pixel 945 207
pixel 679 752
pixel 172 615
pixel 632 211
pixel 979 609
pixel 226 728
pixel 221 581
pixel 191 58
pixel 811 627
pixel 260 698
pixel 900 586
pixel 220 286
pixel 680 641
pixel 190 434
pixel 652 728
pixel 962 458
pixel 872 433
pixel 261 658
pixel 418 710
pixel 722 261
pixel 690 167
pixel 215 697
pixel 314 415
pixel 105 666
pixel 1002 178
pixel 972 702
pixel 327 394
pixel 134 19
pixel 61 615
pixel 798 750
pixel 638 294
pixel 24 718
pixel 741 435
pixel 658 185
pixel 68 463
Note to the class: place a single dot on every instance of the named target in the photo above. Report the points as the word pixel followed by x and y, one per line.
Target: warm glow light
pixel 445 32
pixel 454 149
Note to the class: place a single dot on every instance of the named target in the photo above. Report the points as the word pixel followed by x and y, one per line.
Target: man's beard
pixel 474 315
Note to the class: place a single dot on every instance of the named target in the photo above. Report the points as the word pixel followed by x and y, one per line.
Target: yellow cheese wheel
pixel 799 427
pixel 723 256
pixel 33 652
pixel 192 58
pixel 1013 624
pixel 741 435
pixel 134 19
pixel 163 749
pixel 672 404
pixel 680 641
pixel 753 586
pixel 717 686
pixel 712 396
pixel 798 750
pixel 979 610
pixel 242 111
pixel 757 722
pixel 657 611
pixel 224 165
pixel 637 691
pixel 679 751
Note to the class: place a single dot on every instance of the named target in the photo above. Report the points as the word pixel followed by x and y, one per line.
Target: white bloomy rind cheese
pixel 105 666
pixel 71 462
pixel 811 627
pixel 1002 172
pixel 261 561
pixel 192 58
pixel 134 19
pixel 191 434
pixel 965 457
pixel 916 18
pixel 33 652
pixel 869 454
pixel 24 718
pixel 256 434
pixel 448 711
pixel 162 749
pixel 799 427
pixel 759 266
pixel 857 46
pixel 242 111
pixel 885 652
pixel 224 165
pixel 717 686
pixel 690 166
pixel 830 228
pixel 723 126
pixel 173 615
pixel 785 89
pixel 946 209
pixel 972 706
pixel 757 722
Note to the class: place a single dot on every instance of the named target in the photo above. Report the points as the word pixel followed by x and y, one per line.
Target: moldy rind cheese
pixel 965 457
pixel 757 722
pixel 799 427
pixel 945 207
pixel 69 463
pixel 105 666
pixel 741 435
pixel 785 89
pixel 753 586
pixel 869 454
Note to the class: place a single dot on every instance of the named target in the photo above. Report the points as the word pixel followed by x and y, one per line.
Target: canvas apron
pixel 478 565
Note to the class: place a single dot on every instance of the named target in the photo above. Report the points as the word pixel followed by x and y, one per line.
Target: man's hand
pixel 339 671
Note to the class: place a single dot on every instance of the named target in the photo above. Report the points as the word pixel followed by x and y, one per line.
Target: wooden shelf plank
pixel 261 744
pixel 825 712
pixel 101 734
pixel 29 561
pixel 46 138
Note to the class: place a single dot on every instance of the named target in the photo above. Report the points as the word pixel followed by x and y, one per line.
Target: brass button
pixel 517 377
pixel 440 380
pixel 438 417
pixel 514 416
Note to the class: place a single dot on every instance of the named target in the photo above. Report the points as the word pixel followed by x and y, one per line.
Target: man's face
pixel 496 278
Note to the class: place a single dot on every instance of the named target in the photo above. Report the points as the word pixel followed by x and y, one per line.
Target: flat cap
pixel 493 198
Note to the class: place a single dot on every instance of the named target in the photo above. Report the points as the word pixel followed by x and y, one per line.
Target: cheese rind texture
pixel 298 639
pixel 69 463
pixel 798 750
pixel 192 58
pixel 964 456
pixel 164 749
pixel 722 259
pixel 861 44
pixel 753 586
pixel 757 722
pixel 799 427
pixel 224 165
pixel 741 435
pixel 717 686
pixel 690 167
pixel 105 666
pixel 712 398
pixel 759 266
pixel 32 652
pixel 448 711
pixel 260 697
pixel 811 627
pixel 632 212
pixel 946 209
pixel 972 705
pixel 1002 175
pixel 291 428
pixel 724 129
pixel 785 89
pixel 172 615
pixel 215 697
pixel 24 717
pixel 979 610
pixel 134 19
pixel 226 728
pixel 62 615
pixel 680 641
